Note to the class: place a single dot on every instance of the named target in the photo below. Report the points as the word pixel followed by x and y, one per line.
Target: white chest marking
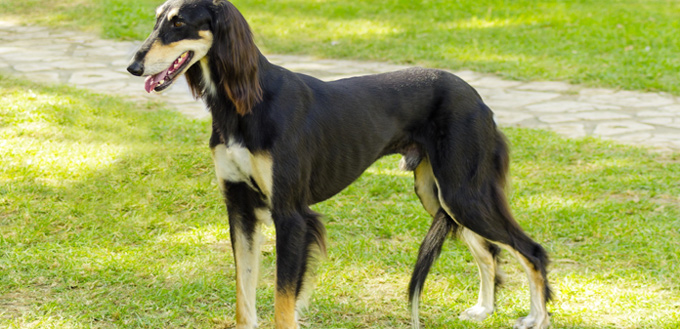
pixel 233 163
pixel 237 165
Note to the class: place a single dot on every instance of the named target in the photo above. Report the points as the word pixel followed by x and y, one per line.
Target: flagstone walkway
pixel 86 61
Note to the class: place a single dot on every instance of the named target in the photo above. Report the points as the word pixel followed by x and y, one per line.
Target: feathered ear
pixel 236 57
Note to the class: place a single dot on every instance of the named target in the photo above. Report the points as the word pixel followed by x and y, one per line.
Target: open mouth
pixel 161 81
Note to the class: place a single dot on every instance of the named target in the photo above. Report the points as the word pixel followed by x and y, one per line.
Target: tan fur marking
pixel 161 56
pixel 487 271
pixel 159 10
pixel 263 175
pixel 173 13
pixel 247 273
pixel 538 315
pixel 208 84
pixel 424 184
pixel 284 308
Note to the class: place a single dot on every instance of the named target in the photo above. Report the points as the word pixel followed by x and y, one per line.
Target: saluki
pixel 282 141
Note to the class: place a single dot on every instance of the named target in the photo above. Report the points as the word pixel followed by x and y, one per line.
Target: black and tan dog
pixel 282 141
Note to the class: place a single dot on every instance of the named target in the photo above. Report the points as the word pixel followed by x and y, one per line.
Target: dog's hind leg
pixel 442 225
pixel 485 255
pixel 484 252
pixel 473 194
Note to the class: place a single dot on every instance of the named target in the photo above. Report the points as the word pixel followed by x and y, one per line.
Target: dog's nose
pixel 136 68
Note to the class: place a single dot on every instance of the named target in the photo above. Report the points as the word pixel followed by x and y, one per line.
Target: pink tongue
pixel 153 80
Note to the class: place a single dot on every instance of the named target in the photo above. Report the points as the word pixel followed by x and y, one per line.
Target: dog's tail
pixel 442 226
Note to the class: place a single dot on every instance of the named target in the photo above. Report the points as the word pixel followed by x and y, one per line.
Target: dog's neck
pixel 202 78
pixel 227 123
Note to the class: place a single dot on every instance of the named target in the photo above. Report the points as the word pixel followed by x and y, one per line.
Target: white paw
pixel 476 313
pixel 532 323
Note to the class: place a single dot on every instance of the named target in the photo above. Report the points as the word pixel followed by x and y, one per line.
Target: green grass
pixel 110 217
pixel 629 44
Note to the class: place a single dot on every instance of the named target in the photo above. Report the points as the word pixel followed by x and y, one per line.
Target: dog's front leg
pixel 246 247
pixel 245 224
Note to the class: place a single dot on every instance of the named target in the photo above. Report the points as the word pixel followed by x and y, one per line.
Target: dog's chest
pixel 236 164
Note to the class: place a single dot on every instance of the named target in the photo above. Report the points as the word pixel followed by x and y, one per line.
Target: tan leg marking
pixel 424 185
pixel 487 271
pixel 262 172
pixel 538 317
pixel 247 257
pixel 284 308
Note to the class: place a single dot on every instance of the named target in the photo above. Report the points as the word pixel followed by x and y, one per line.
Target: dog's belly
pixel 337 171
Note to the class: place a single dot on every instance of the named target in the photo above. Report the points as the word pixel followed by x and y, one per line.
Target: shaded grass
pixel 110 217
pixel 628 44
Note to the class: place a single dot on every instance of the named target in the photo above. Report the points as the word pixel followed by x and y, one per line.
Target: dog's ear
pixel 235 57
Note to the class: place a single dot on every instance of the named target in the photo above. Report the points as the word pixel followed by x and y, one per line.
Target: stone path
pixel 84 60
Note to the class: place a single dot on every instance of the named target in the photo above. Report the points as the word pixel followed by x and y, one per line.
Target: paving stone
pixel 85 78
pixel 571 130
pixel 622 127
pixel 515 99
pixel 40 58
pixel 667 122
pixel 571 106
pixel 583 116
pixel 121 63
pixel 594 116
pixel 510 117
pixel 108 87
pixel 61 65
pixel 468 76
pixel 631 99
pixel 105 52
pixel 595 91
pixel 557 118
pixel 647 114
pixel 636 137
pixel 675 108
pixel 10 50
pixel 546 86
pixel 494 82
pixel 561 107
pixel 27 35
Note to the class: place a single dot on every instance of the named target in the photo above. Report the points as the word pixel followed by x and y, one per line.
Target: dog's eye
pixel 178 24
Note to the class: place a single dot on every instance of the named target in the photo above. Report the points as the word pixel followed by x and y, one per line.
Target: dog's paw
pixel 532 323
pixel 476 313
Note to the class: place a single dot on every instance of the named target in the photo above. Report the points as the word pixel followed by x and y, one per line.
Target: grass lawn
pixel 110 217
pixel 629 44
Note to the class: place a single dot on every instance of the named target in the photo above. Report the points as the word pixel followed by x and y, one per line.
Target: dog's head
pixel 212 36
